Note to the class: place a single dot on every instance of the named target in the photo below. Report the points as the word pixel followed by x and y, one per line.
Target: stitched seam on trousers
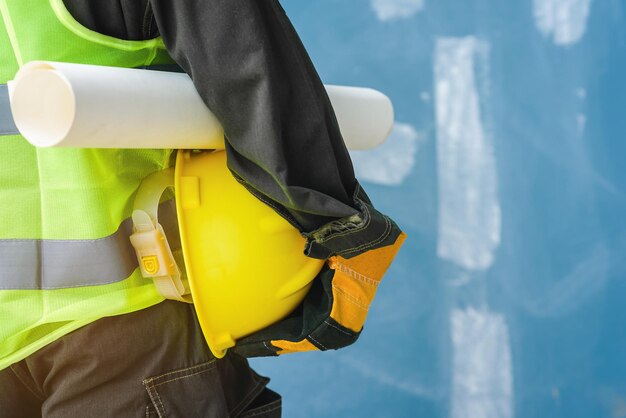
pixel 256 391
pixel 210 364
pixel 352 299
pixel 265 409
pixel 150 413
pixel 39 396
pixel 338 329
pixel 258 382
pixel 183 377
pixel 152 390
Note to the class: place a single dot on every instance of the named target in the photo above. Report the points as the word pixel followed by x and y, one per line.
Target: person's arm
pixel 284 145
pixel 283 141
pixel 251 69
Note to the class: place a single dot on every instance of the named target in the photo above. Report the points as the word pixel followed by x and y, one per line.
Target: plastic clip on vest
pixel 244 262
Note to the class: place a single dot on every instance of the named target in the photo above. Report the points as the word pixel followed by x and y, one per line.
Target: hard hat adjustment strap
pixel 154 254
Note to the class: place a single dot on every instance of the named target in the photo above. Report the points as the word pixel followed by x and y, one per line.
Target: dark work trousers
pixel 151 363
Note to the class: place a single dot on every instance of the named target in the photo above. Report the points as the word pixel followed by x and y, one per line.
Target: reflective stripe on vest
pixel 7 126
pixel 53 199
pixel 75 263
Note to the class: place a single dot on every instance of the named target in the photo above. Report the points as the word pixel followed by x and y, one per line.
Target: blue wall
pixel 507 168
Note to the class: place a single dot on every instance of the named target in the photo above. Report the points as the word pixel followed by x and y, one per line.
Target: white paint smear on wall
pixel 482 367
pixel 565 21
pixel 384 376
pixel 557 297
pixel 469 209
pixel 390 163
pixel 396 9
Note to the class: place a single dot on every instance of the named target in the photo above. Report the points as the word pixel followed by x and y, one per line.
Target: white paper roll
pixel 88 106
pixel 365 116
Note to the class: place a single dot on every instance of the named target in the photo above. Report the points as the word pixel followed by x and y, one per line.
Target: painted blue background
pixel 548 337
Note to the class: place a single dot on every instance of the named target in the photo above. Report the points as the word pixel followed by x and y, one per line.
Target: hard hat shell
pixel 244 262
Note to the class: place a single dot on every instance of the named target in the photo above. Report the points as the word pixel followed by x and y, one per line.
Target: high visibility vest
pixel 65 258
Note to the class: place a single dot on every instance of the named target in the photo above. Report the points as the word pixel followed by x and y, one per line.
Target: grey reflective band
pixel 7 126
pixel 56 264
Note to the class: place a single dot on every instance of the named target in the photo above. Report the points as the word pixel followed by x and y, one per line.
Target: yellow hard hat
pixel 244 262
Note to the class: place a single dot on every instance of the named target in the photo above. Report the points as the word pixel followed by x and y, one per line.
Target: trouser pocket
pixel 215 389
pixel 267 405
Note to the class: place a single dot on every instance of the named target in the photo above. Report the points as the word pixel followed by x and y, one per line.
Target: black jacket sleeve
pixel 283 141
pixel 250 68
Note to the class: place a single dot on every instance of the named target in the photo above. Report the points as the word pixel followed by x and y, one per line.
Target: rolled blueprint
pixel 88 106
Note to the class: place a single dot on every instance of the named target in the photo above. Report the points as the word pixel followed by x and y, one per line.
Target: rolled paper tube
pixel 89 106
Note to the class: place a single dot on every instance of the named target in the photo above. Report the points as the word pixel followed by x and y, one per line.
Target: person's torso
pixel 64 256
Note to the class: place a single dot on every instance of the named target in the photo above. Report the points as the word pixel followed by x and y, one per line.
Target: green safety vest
pixel 65 258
